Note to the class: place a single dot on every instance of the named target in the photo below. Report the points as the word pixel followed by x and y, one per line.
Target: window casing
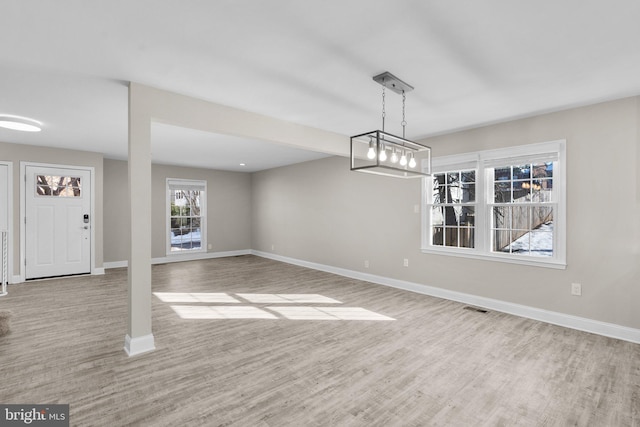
pixel 186 216
pixel 506 205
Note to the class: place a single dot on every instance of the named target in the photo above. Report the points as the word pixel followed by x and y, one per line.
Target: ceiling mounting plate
pixel 392 82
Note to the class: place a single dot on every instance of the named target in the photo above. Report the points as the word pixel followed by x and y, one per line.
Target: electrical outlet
pixel 416 208
pixel 273 247
pixel 576 289
pixel 406 262
pixel 209 246
pixel 366 263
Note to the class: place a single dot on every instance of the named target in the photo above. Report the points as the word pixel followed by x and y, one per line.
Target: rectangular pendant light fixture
pixel 381 153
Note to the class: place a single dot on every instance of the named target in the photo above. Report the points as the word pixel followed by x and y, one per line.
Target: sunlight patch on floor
pixel 329 313
pixel 195 297
pixel 221 312
pixel 288 299
pixel 253 306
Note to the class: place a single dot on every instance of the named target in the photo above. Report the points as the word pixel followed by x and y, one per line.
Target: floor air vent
pixel 477 309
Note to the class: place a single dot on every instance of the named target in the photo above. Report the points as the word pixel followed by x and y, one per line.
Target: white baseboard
pixel 138 345
pixel 199 255
pixel 16 279
pixel 566 320
pixel 115 264
pixel 183 257
pixel 98 271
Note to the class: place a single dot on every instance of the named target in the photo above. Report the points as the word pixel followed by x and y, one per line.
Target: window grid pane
pixel 532 182
pixel 453 209
pixel 523 229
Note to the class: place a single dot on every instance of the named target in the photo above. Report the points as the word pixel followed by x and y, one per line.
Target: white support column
pixel 147 104
pixel 139 338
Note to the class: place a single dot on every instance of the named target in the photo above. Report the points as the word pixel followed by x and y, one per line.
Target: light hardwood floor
pixel 436 364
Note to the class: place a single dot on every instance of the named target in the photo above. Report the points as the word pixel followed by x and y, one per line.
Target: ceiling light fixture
pixel 23 124
pixel 408 159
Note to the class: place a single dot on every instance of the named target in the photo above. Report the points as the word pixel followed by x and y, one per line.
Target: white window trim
pixel 479 161
pixel 190 184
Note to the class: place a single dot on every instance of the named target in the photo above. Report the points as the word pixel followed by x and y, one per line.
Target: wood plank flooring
pixel 436 364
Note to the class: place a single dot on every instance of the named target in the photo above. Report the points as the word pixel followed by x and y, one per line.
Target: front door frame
pixel 23 210
pixel 11 278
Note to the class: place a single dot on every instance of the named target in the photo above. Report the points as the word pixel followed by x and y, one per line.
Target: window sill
pixel 185 252
pixel 510 259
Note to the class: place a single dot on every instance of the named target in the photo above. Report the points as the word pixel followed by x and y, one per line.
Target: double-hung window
pixel 186 216
pixel 506 204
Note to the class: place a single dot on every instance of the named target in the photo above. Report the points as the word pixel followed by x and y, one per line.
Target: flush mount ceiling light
pixel 23 124
pixel 382 153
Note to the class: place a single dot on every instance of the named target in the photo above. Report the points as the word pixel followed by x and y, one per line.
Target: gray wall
pixel 17 153
pixel 321 212
pixel 228 208
pixel 116 211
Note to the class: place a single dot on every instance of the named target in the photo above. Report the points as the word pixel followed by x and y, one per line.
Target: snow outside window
pixel 505 205
pixel 186 216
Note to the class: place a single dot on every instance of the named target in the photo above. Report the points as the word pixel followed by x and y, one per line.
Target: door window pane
pixel 58 186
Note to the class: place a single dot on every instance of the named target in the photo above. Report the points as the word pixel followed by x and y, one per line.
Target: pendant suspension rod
pixel 404 121
pixel 384 113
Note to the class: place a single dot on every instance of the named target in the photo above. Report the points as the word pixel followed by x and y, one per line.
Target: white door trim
pixel 23 209
pixel 9 219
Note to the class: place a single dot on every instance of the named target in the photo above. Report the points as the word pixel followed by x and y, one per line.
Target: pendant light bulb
pixel 412 161
pixel 394 156
pixel 403 160
pixel 383 153
pixel 371 154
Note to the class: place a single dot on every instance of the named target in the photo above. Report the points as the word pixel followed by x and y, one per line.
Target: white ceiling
pixel 221 152
pixel 66 63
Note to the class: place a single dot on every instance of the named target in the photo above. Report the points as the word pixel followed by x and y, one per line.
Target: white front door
pixel 58 221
